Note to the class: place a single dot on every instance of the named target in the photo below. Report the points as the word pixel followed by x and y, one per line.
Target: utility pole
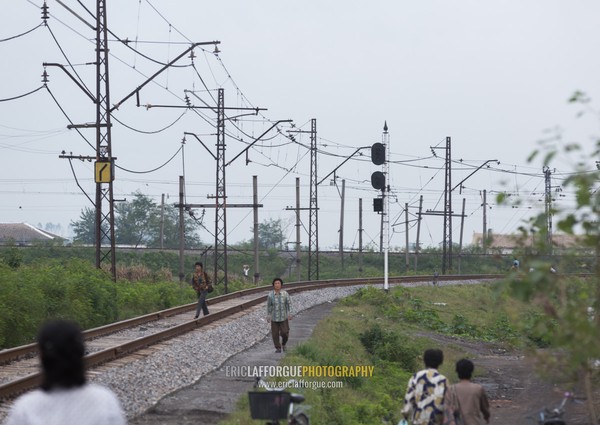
pixel 221 205
pixel 104 161
pixel 341 250
pixel 181 230
pixel 417 246
pixel 343 198
pixel 297 210
pixel 104 197
pixel 447 213
pixel 360 232
pixel 462 226
pixel 406 231
pixel 447 247
pixel 162 221
pixel 220 195
pixel 484 238
pixel 548 207
pixel 298 274
pixel 313 223
pixel 255 209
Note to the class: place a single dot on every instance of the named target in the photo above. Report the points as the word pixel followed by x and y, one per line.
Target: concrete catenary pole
pixel 341 250
pixel 255 208
pixel 181 234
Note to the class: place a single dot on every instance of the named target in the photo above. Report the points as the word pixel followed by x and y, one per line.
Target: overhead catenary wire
pixel 67 117
pixel 154 169
pixel 22 95
pixel 22 34
pixel 149 131
pixel 282 154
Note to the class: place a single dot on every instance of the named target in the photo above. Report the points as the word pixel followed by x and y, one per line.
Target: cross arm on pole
pixel 81 86
pixel 202 143
pixel 343 162
pixel 185 52
pixel 214 108
pixel 474 171
pixel 256 140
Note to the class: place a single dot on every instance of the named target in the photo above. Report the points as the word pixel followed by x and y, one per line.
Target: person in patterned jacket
pixel 426 390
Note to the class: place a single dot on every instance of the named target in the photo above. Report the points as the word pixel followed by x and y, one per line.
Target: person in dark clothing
pixel 200 283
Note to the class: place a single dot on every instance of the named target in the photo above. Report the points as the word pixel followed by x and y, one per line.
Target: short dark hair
pixel 198 263
pixel 61 350
pixel 464 368
pixel 433 357
pixel 277 279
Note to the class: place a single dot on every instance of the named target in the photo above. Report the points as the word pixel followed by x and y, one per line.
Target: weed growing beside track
pixel 389 331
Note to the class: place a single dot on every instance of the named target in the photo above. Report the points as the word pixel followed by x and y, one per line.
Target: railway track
pixel 19 370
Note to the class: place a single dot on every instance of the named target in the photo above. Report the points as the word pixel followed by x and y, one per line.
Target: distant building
pixel 24 234
pixel 506 244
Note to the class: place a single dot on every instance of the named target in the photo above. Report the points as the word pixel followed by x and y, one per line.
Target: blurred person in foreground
pixel 466 400
pixel 425 393
pixel 65 397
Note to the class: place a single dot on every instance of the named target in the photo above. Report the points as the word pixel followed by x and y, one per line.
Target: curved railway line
pixel 19 366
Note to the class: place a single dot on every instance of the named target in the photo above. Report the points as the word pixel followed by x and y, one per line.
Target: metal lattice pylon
pixel 548 207
pixel 221 197
pixel 105 222
pixel 447 245
pixel 313 226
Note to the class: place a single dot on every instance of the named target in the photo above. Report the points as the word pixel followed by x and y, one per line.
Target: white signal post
pixel 385 140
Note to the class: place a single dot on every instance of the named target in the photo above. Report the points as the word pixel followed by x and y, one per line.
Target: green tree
pixel 569 316
pixel 136 221
pixel 85 227
pixel 270 234
pixel 171 230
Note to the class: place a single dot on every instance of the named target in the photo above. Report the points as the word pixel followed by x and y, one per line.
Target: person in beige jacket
pixel 466 399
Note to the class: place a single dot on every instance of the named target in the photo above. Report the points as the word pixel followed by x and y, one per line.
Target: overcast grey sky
pixel 494 76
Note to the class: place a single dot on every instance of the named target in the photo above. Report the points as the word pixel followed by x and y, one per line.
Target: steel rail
pixel 28 350
pixel 92 360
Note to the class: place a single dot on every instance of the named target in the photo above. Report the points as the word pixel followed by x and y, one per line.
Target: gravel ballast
pixel 142 383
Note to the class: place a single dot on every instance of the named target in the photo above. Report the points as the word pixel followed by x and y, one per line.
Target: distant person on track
pixel 65 397
pixel 279 310
pixel 515 265
pixel 201 283
pixel 425 393
pixel 466 399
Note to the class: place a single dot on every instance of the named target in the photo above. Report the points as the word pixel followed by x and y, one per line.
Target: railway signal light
pixel 378 153
pixel 378 180
pixel 378 204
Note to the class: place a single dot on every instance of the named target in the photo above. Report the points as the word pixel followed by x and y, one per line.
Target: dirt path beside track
pixel 516 392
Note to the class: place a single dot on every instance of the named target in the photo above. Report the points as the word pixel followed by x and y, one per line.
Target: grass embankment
pixel 389 332
pixel 76 290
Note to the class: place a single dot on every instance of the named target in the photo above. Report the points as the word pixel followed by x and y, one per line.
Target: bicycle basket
pixel 269 404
